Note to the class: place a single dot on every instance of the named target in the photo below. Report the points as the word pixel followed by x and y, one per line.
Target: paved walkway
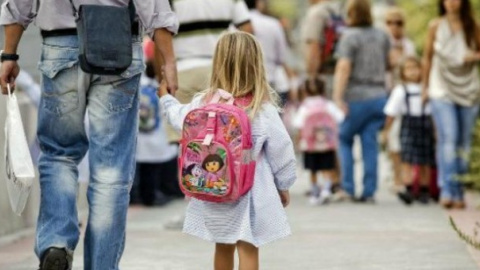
pixel 341 236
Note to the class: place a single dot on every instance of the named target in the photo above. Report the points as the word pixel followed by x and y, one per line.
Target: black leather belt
pixel 73 31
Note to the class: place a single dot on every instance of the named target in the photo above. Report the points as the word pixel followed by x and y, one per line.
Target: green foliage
pixel 420 12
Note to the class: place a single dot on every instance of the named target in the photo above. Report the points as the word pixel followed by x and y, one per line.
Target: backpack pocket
pixel 206 171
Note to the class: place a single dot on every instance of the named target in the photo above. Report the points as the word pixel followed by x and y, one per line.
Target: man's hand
pixel 8 73
pixel 170 76
pixel 284 197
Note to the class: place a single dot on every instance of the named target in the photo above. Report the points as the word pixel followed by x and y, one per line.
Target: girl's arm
pixel 279 151
pixel 173 110
pixel 299 119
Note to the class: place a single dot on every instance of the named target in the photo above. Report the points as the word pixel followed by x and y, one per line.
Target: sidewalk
pixel 340 236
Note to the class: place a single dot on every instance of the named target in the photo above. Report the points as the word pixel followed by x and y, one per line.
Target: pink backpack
pixel 216 163
pixel 320 131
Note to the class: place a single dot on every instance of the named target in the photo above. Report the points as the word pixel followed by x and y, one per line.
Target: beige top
pixel 450 77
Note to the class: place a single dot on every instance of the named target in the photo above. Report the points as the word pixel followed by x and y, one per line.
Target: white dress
pixel 258 217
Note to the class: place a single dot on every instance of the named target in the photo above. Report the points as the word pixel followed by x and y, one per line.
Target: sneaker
pixel 424 198
pixel 314 200
pixel 325 196
pixel 56 259
pixel 406 197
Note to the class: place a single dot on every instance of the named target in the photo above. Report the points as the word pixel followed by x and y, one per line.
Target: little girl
pixel 318 118
pixel 258 217
pixel 417 133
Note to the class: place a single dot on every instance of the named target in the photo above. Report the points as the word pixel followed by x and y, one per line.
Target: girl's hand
pixel 284 197
pixel 424 97
pixel 343 106
pixel 163 89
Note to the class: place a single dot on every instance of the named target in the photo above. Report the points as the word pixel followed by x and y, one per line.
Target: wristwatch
pixel 8 57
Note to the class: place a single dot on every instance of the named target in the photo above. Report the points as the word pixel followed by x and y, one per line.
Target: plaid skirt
pixel 417 140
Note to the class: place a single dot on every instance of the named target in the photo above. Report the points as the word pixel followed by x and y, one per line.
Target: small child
pixel 417 133
pixel 258 217
pixel 318 119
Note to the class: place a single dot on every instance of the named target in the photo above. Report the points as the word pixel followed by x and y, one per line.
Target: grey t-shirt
pixel 368 49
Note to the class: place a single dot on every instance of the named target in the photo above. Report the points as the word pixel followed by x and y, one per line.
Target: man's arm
pixel 165 58
pixel 314 59
pixel 10 69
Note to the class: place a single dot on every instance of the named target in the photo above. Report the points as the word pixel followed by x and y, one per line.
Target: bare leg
pixel 407 173
pixel 248 256
pixel 425 175
pixel 224 257
pixel 397 168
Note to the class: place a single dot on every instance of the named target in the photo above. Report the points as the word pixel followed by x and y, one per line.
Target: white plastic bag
pixel 18 162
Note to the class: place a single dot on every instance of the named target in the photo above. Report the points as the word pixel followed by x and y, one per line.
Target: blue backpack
pixel 149 114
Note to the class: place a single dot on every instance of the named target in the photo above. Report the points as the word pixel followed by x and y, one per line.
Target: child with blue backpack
pixel 237 160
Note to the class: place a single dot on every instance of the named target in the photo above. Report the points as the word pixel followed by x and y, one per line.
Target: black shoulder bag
pixel 105 38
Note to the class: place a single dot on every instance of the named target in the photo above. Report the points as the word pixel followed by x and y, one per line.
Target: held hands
pixel 284 197
pixel 8 73
pixel 163 88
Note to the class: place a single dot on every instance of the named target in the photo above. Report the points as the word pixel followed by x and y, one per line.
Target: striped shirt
pixel 201 24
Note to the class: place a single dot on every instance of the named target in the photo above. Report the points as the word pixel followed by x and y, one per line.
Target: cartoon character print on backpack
pixel 212 165
pixel 205 174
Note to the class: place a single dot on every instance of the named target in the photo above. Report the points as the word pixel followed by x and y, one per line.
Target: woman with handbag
pixel 452 83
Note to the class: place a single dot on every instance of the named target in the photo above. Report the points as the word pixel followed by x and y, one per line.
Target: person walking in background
pixel 256 218
pixel 317 119
pixel 112 104
pixel 452 83
pixel 156 179
pixel 363 60
pixel 417 131
pixel 321 31
pixel 271 36
pixel 402 47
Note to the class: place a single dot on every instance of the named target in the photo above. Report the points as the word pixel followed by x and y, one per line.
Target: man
pixel 201 24
pixel 271 36
pixel 112 104
pixel 321 15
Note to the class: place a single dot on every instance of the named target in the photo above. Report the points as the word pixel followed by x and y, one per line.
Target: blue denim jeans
pixel 365 118
pixel 454 125
pixel 112 105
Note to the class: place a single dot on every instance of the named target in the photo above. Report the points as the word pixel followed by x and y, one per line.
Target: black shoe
pixel 424 198
pixel 56 259
pixel 365 200
pixel 406 197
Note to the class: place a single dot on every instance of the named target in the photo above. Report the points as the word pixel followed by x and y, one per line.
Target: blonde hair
pixel 359 13
pixel 238 68
pixel 395 13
